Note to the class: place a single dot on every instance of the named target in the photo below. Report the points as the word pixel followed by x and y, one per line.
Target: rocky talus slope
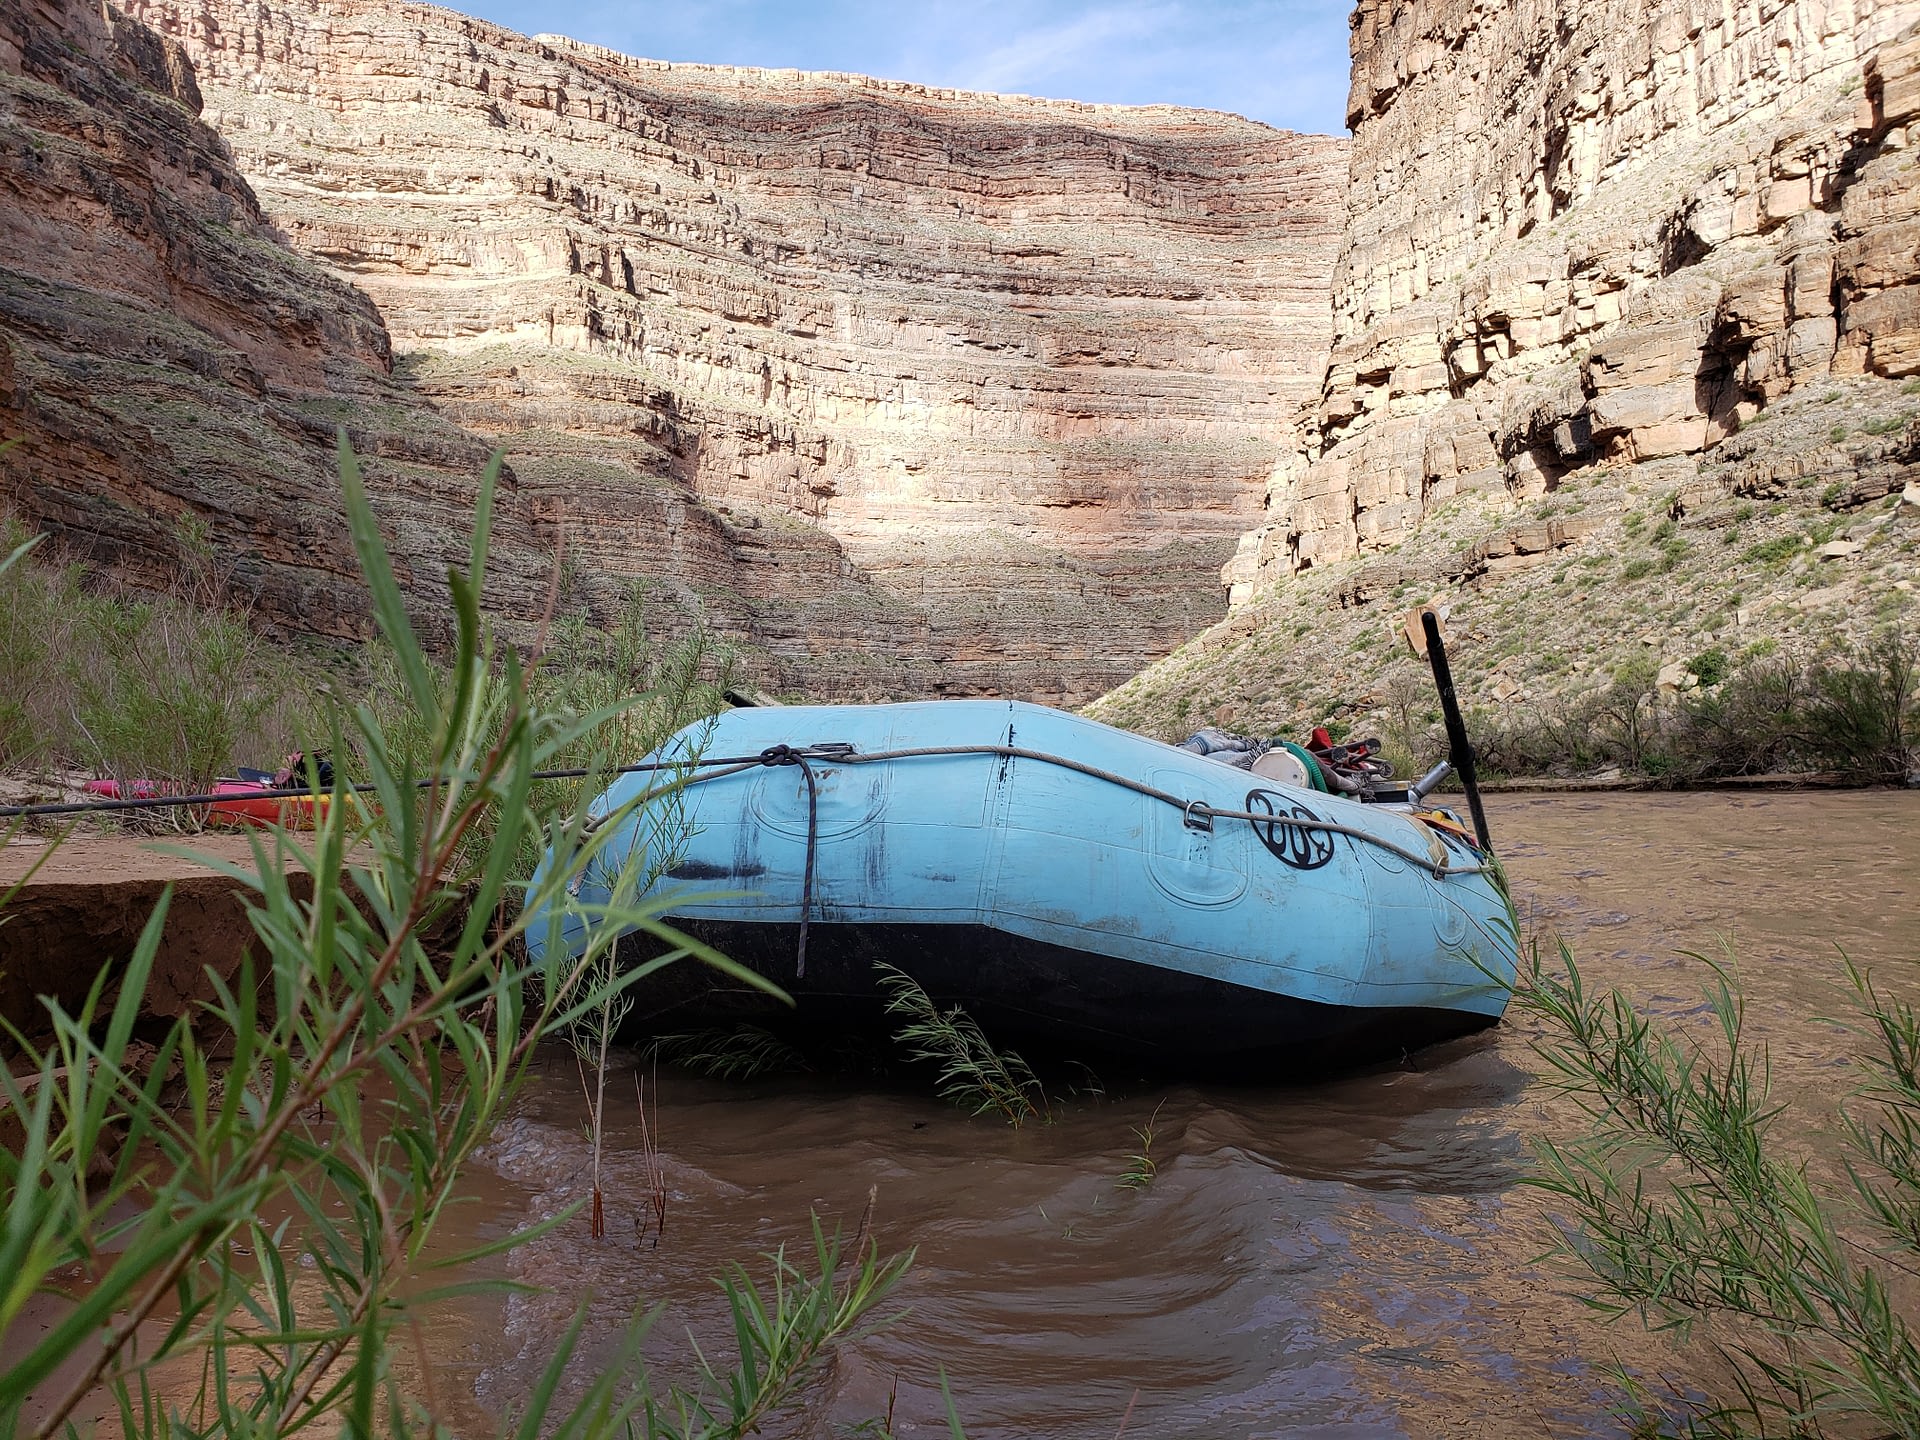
pixel 914 391
pixel 1610 270
pixel 1800 536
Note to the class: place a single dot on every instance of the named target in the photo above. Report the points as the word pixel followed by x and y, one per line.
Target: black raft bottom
pixel 1053 1002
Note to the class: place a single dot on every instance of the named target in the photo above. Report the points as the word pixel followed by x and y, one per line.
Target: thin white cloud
pixel 1280 61
pixel 1043 52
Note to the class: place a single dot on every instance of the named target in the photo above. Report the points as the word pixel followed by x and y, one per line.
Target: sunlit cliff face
pixel 1594 231
pixel 1011 374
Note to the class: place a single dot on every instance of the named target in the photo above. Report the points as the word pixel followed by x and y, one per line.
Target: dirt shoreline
pixel 84 909
pixel 118 858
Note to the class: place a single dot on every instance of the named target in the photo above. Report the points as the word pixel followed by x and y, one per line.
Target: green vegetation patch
pixel 1776 551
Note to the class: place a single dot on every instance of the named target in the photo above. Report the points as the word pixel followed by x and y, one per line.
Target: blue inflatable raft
pixel 1058 878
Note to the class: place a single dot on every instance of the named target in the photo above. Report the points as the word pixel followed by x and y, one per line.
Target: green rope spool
pixel 1314 773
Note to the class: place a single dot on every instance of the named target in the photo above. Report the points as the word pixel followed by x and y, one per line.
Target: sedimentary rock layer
pixel 173 375
pixel 1016 369
pixel 147 319
pixel 1596 231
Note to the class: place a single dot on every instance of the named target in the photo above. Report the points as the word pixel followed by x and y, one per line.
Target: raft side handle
pixel 1198 815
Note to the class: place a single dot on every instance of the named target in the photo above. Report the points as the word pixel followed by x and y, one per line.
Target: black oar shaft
pixel 1457 742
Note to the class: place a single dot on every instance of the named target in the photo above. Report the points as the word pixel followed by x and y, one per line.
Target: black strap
pixel 788 755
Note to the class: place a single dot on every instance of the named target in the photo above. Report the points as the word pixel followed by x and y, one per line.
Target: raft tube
pixel 1066 882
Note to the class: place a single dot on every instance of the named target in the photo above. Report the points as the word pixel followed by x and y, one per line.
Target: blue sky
pixel 1281 61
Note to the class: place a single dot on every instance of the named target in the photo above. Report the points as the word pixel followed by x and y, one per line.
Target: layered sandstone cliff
pixel 173 374
pixel 1624 320
pixel 915 391
pixel 148 321
pixel 1595 232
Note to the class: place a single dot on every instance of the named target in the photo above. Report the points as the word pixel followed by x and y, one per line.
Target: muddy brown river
pixel 1354 1258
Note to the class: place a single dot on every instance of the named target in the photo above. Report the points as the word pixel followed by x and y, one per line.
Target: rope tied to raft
pixel 699 771
pixel 788 755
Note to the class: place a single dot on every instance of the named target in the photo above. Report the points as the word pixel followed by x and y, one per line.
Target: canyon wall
pixel 1596 233
pixel 152 333
pixel 913 391
pixel 172 376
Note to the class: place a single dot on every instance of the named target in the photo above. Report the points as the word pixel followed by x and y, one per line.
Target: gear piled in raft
pixel 1355 769
pixel 1085 889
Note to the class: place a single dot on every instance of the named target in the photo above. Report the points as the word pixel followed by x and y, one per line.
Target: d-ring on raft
pixel 1070 884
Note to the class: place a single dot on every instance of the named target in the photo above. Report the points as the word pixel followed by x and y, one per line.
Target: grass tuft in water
pixel 650 1157
pixel 741 1052
pixel 971 1071
pixel 1142 1168
pixel 787 1333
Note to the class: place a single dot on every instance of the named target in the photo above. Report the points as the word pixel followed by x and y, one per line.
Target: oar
pixel 1457 743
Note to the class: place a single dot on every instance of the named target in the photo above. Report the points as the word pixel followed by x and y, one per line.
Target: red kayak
pixel 240 803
